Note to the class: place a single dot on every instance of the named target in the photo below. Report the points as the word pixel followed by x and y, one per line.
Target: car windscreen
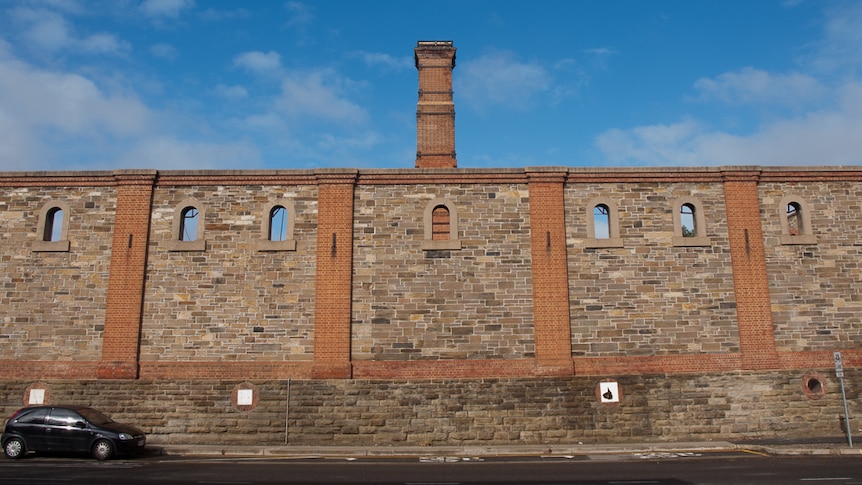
pixel 94 417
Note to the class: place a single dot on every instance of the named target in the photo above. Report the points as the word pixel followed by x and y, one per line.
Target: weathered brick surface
pixel 435 111
pixel 473 303
pixel 546 411
pixel 816 289
pixel 54 302
pixel 230 302
pixel 649 297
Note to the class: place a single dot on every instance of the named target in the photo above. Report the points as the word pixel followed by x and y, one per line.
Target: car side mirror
pixel 80 424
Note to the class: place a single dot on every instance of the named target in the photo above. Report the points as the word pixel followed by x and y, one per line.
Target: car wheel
pixel 14 448
pixel 103 450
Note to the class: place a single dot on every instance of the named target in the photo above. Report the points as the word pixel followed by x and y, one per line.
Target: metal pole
pixel 846 414
pixel 287 416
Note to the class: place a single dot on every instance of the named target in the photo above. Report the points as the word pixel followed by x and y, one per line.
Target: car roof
pixel 55 406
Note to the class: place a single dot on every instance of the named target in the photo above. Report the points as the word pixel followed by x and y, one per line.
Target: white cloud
pixel 300 14
pixel 755 86
pixel 49 31
pixel 230 92
pixel 165 8
pixel 167 152
pixel 70 6
pixel 43 112
pixel 825 135
pixel 828 137
pixel 386 61
pixel 68 102
pixel 498 78
pixel 318 94
pixel 164 51
pixel 53 120
pixel 104 44
pixel 257 61
pixel 841 46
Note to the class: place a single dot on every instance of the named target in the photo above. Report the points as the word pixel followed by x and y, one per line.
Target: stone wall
pixel 231 301
pixel 54 302
pixel 648 296
pixel 731 406
pixel 816 288
pixel 469 303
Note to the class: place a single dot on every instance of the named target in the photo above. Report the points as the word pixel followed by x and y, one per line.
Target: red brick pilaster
pixel 552 326
pixel 334 277
pixel 751 286
pixel 123 312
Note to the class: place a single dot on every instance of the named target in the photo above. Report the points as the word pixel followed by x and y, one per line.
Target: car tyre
pixel 103 450
pixel 14 448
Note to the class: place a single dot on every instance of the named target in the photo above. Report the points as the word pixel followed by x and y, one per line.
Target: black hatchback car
pixel 69 429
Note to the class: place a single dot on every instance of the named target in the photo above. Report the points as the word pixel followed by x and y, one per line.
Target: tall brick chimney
pixel 435 111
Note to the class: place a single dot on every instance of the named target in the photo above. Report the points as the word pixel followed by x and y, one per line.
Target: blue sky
pixel 196 84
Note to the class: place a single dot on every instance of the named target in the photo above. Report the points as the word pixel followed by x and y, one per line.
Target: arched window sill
pixel 612 242
pixel 61 246
pixel 431 245
pixel 265 245
pixel 197 245
pixel 796 240
pixel 695 241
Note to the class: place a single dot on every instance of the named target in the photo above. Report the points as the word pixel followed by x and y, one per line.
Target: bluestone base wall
pixel 728 406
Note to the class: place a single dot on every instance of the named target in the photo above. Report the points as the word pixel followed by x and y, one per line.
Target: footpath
pixel 644 450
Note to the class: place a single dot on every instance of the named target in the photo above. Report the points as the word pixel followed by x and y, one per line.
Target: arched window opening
pixel 687 220
pixel 52 229
pixel 189 224
pixel 440 223
pixel 794 214
pixel 794 219
pixel 53 225
pixel 278 224
pixel 601 221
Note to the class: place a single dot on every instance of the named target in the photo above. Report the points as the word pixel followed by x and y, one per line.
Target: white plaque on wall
pixel 37 396
pixel 609 392
pixel 244 397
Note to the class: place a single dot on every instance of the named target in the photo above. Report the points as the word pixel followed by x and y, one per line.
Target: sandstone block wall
pixel 816 288
pixel 649 297
pixel 230 302
pixel 470 303
pixel 548 411
pixel 54 302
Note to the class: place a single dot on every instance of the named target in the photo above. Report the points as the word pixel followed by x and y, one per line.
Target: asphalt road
pixel 661 469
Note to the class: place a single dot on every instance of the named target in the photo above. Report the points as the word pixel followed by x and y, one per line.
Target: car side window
pixel 63 417
pixel 36 416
